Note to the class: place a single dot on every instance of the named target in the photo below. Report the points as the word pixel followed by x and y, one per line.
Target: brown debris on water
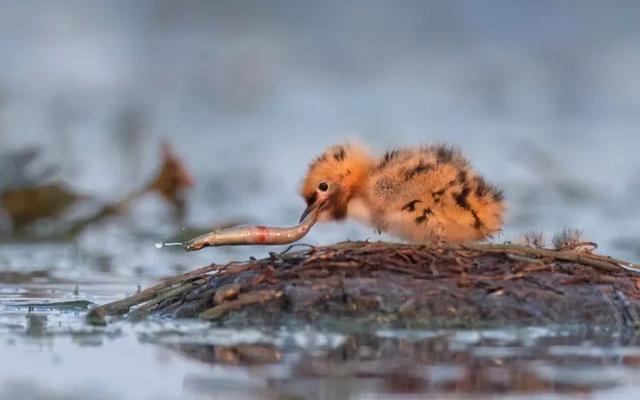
pixel 26 205
pixel 172 181
pixel 402 285
pixel 34 200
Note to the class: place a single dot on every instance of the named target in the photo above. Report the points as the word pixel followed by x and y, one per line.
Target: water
pixel 543 98
pixel 195 361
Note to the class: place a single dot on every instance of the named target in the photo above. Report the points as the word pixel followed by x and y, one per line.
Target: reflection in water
pixel 302 362
pixel 521 362
pixel 36 325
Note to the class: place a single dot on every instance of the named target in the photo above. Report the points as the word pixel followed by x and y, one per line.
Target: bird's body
pixel 422 194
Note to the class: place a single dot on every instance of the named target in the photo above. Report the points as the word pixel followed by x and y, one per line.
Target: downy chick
pixel 420 194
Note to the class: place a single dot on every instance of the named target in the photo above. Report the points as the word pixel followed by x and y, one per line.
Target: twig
pixel 123 306
pixel 143 310
pixel 255 297
pixel 610 265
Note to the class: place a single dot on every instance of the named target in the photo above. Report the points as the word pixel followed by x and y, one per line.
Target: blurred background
pixel 542 96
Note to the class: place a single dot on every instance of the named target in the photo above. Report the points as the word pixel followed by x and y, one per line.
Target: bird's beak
pixel 311 208
pixel 307 211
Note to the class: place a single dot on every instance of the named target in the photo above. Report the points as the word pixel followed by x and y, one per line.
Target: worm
pixel 253 234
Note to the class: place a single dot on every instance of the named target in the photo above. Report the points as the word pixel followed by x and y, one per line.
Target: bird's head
pixel 334 178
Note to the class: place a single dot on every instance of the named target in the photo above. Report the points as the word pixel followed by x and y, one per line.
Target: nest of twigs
pixel 400 285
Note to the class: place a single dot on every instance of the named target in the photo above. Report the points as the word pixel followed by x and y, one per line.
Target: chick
pixel 423 194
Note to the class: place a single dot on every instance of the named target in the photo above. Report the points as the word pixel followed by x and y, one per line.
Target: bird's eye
pixel 323 186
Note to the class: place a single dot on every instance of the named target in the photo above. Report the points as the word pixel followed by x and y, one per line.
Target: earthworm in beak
pixel 255 234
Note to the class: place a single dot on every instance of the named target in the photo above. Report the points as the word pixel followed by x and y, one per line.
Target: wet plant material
pixel 25 206
pixel 401 285
pixel 30 201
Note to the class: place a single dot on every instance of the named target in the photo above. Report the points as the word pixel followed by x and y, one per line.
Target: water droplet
pixel 160 245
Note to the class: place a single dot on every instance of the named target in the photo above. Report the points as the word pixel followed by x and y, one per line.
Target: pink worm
pixel 253 234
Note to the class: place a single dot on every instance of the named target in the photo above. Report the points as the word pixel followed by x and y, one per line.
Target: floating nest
pixel 399 285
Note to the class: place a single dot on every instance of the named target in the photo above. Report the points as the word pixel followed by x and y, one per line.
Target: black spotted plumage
pixel 411 206
pixel 421 168
pixel 426 212
pixel 445 153
pixel 484 189
pixel 389 155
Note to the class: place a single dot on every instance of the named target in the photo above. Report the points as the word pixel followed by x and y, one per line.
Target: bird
pixel 420 194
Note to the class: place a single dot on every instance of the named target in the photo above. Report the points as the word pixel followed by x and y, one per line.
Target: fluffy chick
pixel 421 194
